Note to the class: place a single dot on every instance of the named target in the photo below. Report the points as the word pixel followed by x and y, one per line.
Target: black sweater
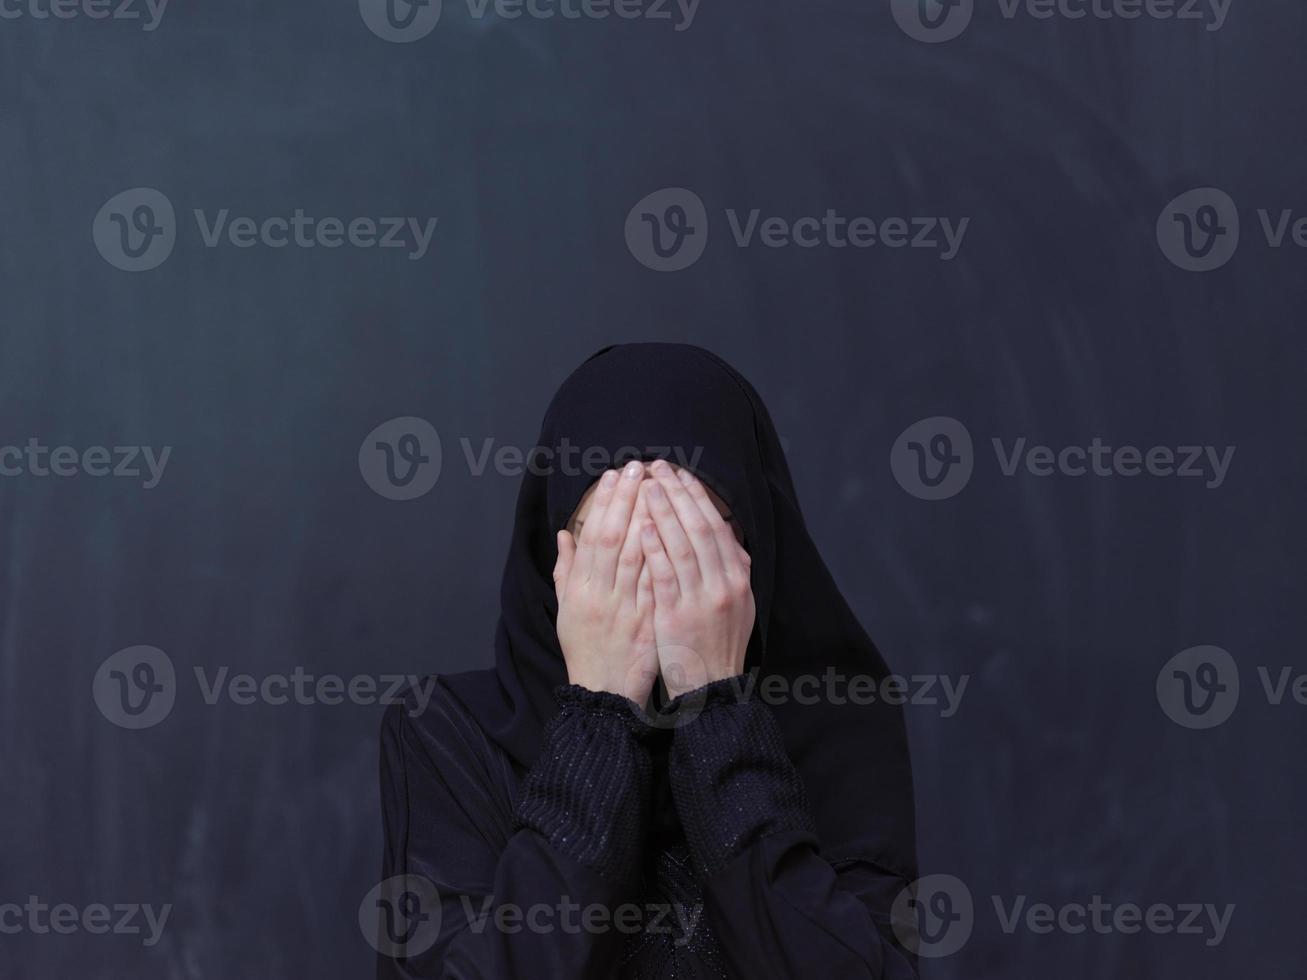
pixel 583 868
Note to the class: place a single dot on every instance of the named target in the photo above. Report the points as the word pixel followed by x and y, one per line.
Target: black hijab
pixel 685 404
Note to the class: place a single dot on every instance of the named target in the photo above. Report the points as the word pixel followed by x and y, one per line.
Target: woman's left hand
pixel 703 602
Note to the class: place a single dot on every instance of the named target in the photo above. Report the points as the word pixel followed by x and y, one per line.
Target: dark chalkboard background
pixel 263 549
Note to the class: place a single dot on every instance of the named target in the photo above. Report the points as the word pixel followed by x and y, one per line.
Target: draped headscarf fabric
pixel 687 405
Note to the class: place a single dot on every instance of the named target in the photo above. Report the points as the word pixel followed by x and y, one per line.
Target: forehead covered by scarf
pixel 688 406
pixel 652 401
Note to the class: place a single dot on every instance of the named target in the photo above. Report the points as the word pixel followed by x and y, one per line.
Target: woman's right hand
pixel 605 594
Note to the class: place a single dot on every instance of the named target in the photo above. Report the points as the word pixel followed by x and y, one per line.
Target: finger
pixel 644 589
pixel 641 512
pixel 693 521
pixel 563 566
pixel 616 521
pixel 585 546
pixel 675 543
pixel 630 562
pixel 663 578
pixel 641 517
pixel 728 548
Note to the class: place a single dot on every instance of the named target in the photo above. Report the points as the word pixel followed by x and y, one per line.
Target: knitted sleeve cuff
pixel 588 792
pixel 731 778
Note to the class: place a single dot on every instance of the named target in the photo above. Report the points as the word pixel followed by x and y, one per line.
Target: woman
pixel 569 830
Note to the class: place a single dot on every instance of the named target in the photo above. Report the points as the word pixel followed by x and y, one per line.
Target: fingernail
pixel 660 466
pixel 686 477
pixel 609 478
pixel 632 471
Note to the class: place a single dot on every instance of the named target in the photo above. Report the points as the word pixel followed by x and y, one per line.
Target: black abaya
pixel 566 836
